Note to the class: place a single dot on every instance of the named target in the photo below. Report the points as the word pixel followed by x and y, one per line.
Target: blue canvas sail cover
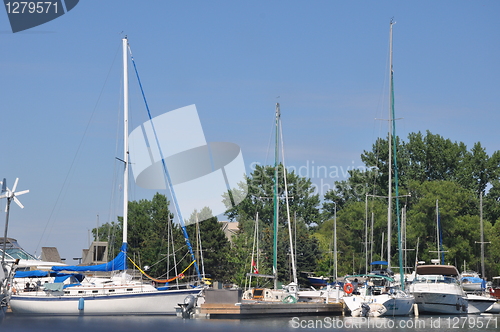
pixel 59 277
pixel 118 263
pixel 31 274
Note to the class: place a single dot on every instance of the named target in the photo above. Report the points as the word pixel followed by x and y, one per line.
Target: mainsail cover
pixel 59 277
pixel 117 264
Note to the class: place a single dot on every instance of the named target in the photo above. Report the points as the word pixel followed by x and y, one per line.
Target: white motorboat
pixel 378 296
pixel 437 290
pixel 323 295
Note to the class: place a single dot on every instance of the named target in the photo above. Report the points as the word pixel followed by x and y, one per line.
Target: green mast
pixel 275 199
pixel 394 147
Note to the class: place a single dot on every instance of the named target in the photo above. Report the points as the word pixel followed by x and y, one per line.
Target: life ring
pixel 348 288
pixel 181 276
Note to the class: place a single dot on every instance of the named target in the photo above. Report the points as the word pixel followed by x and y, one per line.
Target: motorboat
pixel 437 290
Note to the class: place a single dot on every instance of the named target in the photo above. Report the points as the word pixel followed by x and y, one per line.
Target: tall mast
pixel 292 252
pixel 483 273
pixel 438 240
pixel 167 176
pixel 396 182
pixel 125 139
pixel 275 200
pixel 389 208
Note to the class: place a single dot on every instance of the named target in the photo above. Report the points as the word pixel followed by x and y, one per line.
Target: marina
pixel 160 201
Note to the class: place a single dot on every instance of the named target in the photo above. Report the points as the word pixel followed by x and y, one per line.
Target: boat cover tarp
pixel 59 277
pixel 379 263
pixel 474 280
pixel 31 274
pixel 118 263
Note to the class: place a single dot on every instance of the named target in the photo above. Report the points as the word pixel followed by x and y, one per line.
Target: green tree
pixel 215 247
pixel 304 212
pixel 302 200
pixel 459 229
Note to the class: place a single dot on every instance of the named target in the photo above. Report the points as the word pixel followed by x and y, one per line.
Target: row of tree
pixel 432 171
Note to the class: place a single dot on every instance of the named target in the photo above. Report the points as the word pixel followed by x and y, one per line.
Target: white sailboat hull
pixel 138 303
pixel 395 305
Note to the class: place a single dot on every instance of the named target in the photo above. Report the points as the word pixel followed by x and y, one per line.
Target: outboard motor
pixel 365 310
pixel 187 306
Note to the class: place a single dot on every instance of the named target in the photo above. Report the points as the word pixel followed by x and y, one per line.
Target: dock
pixel 252 310
pixel 229 304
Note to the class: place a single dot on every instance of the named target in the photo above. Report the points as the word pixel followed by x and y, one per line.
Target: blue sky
pixel 325 62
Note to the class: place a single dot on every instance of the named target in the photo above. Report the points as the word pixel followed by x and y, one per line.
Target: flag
pixel 255 270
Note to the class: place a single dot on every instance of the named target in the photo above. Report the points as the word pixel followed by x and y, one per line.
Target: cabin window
pixel 111 290
pixel 129 289
pixel 94 291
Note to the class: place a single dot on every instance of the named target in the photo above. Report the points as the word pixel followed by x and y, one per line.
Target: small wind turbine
pixel 10 195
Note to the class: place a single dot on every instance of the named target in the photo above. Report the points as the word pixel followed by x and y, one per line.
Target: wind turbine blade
pixel 21 192
pixel 15 185
pixel 18 202
pixel 4 185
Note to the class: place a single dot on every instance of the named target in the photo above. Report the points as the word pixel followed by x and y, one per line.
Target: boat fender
pixel 348 288
pixel 81 303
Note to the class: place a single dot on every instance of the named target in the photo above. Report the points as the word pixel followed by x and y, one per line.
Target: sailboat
pixel 116 295
pixel 382 295
pixel 289 293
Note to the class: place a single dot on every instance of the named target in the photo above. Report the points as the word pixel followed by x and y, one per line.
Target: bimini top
pixel 445 270
pixel 379 263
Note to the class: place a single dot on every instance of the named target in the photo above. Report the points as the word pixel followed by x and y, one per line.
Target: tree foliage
pixel 432 171
pixel 431 168
pixel 304 214
pixel 155 241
